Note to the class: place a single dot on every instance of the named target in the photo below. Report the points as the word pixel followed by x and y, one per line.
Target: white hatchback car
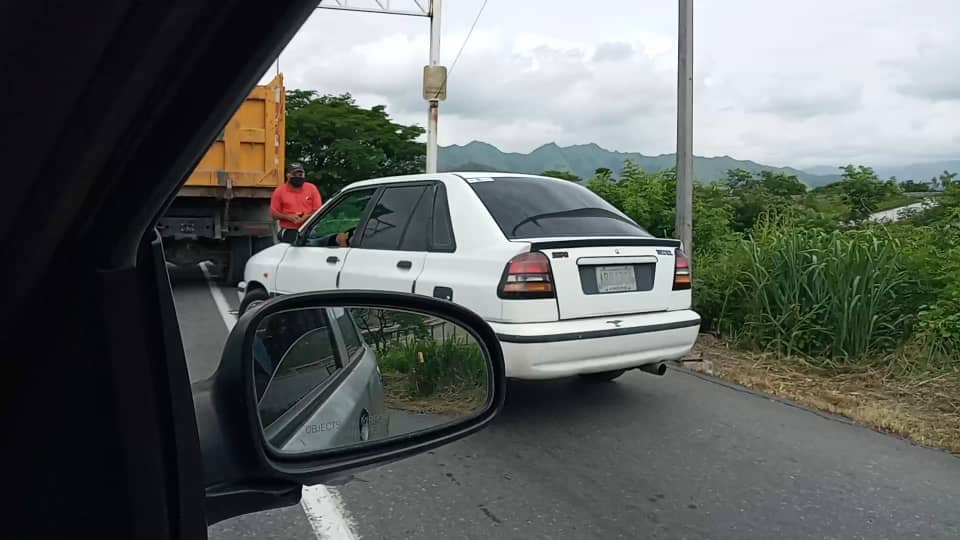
pixel 570 284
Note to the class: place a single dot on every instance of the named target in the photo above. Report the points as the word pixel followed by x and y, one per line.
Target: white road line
pixel 323 506
pixel 218 298
pixel 326 513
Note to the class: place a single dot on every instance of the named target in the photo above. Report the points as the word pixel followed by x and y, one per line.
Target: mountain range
pixel 920 172
pixel 584 159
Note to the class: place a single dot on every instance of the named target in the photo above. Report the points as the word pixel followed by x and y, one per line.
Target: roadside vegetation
pixel 441 377
pixel 427 365
pixel 800 291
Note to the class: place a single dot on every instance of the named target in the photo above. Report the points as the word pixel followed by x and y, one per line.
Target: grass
pixel 834 297
pixel 436 376
pixel 924 408
pixel 453 402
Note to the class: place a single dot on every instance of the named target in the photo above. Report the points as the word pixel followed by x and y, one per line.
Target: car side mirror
pixel 314 387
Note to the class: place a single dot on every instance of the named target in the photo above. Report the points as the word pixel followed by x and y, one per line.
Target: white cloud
pixel 803 83
pixel 931 73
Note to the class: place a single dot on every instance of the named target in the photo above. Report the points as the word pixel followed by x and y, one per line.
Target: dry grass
pixel 926 410
pixel 448 402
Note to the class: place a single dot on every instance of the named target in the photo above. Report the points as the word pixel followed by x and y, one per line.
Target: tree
pixel 751 195
pixel 339 142
pixel 650 200
pixel 862 191
pixel 737 179
pixel 916 187
pixel 782 184
pixel 946 178
pixel 563 175
pixel 383 326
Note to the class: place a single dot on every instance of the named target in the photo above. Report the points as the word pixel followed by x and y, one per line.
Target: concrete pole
pixel 433 111
pixel 684 223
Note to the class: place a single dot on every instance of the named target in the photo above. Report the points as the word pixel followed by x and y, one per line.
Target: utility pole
pixel 434 75
pixel 433 108
pixel 684 223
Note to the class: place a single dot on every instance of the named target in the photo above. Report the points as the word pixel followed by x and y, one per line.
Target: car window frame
pixel 424 204
pixel 350 359
pixel 358 239
pixel 440 194
pixel 333 203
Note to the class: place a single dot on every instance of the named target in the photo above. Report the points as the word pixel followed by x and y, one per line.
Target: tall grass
pixel 834 297
pixel 437 366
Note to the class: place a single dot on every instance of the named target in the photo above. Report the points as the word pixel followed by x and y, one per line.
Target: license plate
pixel 616 279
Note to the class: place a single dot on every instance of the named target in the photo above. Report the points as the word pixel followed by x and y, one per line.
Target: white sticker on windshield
pixel 480 179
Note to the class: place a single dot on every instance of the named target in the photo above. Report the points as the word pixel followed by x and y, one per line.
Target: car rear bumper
pixel 560 349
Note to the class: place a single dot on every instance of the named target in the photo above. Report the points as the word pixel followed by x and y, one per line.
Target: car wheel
pixel 603 376
pixel 253 299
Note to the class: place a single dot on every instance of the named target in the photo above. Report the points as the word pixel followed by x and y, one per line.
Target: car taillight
pixel 527 276
pixel 681 271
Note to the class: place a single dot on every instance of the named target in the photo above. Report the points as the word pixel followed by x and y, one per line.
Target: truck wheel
pixel 252 300
pixel 603 376
pixel 239 254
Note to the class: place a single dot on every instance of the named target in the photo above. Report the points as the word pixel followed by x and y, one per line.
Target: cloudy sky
pixel 787 83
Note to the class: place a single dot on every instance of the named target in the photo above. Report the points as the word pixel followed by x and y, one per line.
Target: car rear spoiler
pixel 591 242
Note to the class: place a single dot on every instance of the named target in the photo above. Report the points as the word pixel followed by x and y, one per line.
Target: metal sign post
pixel 684 223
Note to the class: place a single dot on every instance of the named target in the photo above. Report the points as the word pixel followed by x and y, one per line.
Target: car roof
pixel 446 176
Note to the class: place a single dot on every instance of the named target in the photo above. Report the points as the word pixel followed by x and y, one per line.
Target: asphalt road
pixel 678 456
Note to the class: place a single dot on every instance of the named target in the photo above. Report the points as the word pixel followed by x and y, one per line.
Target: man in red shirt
pixel 294 202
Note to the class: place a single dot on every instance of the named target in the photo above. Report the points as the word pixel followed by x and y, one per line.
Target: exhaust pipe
pixel 654 369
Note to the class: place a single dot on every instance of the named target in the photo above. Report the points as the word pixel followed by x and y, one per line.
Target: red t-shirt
pixel 287 199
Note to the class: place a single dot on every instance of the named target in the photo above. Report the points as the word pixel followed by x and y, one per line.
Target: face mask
pixel 297 181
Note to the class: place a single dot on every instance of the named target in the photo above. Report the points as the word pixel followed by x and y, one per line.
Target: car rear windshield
pixel 541 207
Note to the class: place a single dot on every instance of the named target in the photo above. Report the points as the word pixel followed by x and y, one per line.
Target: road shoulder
pixel 925 411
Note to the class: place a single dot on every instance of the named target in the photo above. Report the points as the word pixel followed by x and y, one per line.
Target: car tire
pixel 253 299
pixel 603 376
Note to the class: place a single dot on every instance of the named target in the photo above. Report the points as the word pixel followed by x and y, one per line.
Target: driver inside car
pixel 339 239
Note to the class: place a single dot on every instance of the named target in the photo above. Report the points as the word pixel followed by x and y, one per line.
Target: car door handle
pixel 404 265
pixel 333 259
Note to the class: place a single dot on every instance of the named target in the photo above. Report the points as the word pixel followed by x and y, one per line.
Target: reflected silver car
pixel 317 382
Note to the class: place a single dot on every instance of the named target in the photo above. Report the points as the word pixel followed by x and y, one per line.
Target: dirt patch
pixel 925 410
pixel 454 402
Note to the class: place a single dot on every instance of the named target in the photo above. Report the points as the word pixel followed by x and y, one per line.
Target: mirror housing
pixel 242 474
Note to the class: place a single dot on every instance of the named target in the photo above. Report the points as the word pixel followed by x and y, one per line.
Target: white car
pixel 570 284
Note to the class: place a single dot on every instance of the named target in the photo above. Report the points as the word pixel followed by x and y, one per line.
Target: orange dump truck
pixel 222 213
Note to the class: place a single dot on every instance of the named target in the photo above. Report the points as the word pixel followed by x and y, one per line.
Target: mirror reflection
pixel 330 377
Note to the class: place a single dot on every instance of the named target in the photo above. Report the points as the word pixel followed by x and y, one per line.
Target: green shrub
pixel 782 270
pixel 833 295
pixel 452 364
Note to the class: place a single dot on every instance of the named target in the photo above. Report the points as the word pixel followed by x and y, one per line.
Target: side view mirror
pixel 314 387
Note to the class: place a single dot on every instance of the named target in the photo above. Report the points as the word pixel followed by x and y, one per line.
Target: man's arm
pixel 318 200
